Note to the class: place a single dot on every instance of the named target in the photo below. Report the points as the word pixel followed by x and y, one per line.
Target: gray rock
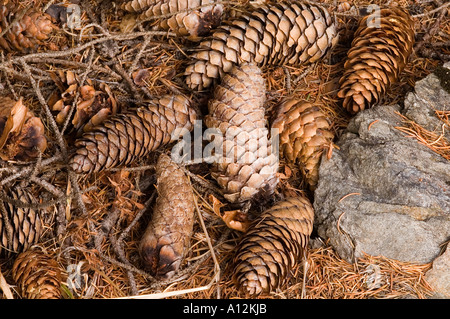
pixel 428 96
pixel 383 193
pixel 439 276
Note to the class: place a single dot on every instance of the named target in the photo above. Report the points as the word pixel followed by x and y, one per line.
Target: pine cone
pixel 21 133
pixel 276 34
pixel 246 165
pixel 377 56
pixel 93 105
pixel 184 17
pixel 28 32
pixel 273 246
pixel 37 275
pixel 304 133
pixel 125 137
pixel 20 228
pixel 166 239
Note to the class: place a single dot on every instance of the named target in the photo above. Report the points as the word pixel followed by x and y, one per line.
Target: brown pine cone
pixel 304 133
pixel 273 245
pixel 37 275
pixel 20 227
pixel 28 32
pixel 21 133
pixel 377 56
pixel 93 106
pixel 246 165
pixel 277 34
pixel 125 137
pixel 184 17
pixel 166 239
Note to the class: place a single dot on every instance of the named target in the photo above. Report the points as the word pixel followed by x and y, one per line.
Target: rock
pixel 429 96
pixel 383 193
pixel 439 276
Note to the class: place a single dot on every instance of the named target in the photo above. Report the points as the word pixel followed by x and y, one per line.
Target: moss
pixel 443 75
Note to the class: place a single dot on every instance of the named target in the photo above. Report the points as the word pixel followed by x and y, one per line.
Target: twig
pixel 20 172
pixel 78 65
pixel 5 287
pixel 75 50
pixel 211 248
pixel 445 5
pixel 206 185
pixel 139 54
pixel 35 206
pixel 7 224
pixel 288 78
pixel 77 192
pixel 128 80
pixel 8 82
pixel 118 248
pixel 50 118
pixel 133 169
pixel 136 218
pixel 305 73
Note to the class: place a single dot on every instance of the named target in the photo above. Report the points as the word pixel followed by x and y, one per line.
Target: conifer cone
pixel 246 165
pixel 377 56
pixel 304 133
pixel 28 32
pixel 166 239
pixel 123 138
pixel 37 275
pixel 184 17
pixel 273 245
pixel 277 34
pixel 94 104
pixel 21 133
pixel 20 227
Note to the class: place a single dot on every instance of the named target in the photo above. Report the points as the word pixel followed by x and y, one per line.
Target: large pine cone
pixel 94 104
pixel 184 17
pixel 377 56
pixel 22 135
pixel 304 133
pixel 20 227
pixel 245 165
pixel 37 275
pixel 166 239
pixel 125 137
pixel 28 32
pixel 278 34
pixel 273 246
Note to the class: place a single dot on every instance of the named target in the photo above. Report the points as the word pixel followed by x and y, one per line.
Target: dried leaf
pixel 15 121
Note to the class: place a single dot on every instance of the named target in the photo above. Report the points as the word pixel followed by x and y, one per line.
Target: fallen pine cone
pixel 26 33
pixel 166 239
pixel 273 246
pixel 37 275
pixel 20 227
pixel 94 104
pixel 271 34
pixel 125 137
pixel 304 133
pixel 377 56
pixel 184 17
pixel 246 165
pixel 22 134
